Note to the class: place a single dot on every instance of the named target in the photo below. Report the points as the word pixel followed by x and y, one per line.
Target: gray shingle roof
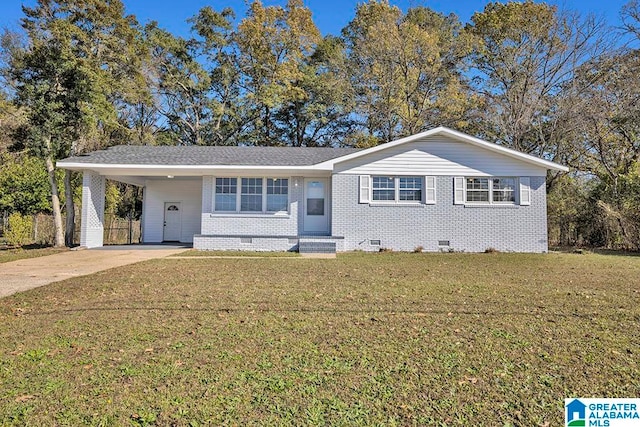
pixel 204 156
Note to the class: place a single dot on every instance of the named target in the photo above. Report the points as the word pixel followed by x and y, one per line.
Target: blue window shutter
pixel 365 189
pixel 430 190
pixel 458 190
pixel 525 191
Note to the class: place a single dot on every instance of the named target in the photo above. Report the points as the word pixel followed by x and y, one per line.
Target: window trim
pixel 239 194
pixel 516 191
pixel 396 190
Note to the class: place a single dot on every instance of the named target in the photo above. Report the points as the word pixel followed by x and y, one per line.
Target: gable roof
pixel 459 136
pixel 207 156
pixel 197 159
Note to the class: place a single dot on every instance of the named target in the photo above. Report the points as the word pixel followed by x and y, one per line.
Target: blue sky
pixel 329 15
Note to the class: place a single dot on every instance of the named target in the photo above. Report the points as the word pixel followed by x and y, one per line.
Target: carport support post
pixel 92 221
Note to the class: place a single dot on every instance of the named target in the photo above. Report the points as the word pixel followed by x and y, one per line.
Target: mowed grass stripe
pixel 365 339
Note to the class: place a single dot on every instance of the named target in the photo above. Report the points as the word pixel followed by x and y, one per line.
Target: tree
pixel 322 116
pixel 524 58
pixel 608 139
pixel 182 87
pixel 23 185
pixel 51 89
pixel 81 66
pixel 630 15
pixel 216 45
pixel 196 81
pixel 406 69
pixel 273 43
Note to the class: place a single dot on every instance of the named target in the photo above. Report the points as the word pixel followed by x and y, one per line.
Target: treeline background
pixel 81 75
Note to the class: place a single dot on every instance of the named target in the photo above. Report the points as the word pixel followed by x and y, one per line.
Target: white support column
pixel 92 221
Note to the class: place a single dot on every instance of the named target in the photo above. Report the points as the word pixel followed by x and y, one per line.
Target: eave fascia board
pixel 186 170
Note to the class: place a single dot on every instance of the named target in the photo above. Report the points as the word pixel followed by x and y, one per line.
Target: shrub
pixel 20 230
pixel 418 249
pixel 491 251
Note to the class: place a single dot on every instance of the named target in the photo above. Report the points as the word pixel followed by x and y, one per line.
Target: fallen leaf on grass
pixel 25 397
pixel 471 380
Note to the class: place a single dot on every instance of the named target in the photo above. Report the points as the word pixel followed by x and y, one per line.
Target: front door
pixel 316 206
pixel 172 222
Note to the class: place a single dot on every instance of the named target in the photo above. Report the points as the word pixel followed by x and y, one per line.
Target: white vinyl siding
pixel 439 156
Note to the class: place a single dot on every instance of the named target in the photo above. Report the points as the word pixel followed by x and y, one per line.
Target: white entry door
pixel 316 206
pixel 172 222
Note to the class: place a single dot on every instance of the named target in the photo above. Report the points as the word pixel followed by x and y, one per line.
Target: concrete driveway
pixel 21 275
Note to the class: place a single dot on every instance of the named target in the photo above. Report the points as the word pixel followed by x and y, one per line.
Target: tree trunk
pixel 71 210
pixel 58 240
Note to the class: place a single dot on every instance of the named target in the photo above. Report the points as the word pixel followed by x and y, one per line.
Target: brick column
pixel 92 221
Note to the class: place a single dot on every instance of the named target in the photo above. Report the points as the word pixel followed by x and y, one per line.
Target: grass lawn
pixel 364 339
pixel 7 255
pixel 197 253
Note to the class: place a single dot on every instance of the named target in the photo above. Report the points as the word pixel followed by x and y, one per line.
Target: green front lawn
pixel 364 339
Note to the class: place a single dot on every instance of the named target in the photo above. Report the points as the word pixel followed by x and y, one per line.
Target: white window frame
pixel 490 191
pixel 239 194
pixel 396 190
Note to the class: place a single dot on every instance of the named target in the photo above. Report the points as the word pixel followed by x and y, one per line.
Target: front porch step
pixel 316 247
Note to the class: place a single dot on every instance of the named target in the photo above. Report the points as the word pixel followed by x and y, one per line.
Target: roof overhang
pixel 458 136
pixel 318 169
pixel 191 170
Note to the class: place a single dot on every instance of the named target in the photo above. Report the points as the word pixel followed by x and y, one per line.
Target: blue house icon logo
pixel 576 414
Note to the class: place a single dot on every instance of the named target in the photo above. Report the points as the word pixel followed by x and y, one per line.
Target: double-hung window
pixel 403 189
pixel 226 194
pixel 252 195
pixel 410 189
pixel 277 194
pixel 491 190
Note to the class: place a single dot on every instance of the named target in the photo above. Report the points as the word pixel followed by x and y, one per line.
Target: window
pixel 384 188
pixel 477 190
pixel 277 194
pixel 397 189
pixel 410 189
pixel 490 190
pixel 255 195
pixel 503 190
pixel 251 196
pixel 226 189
